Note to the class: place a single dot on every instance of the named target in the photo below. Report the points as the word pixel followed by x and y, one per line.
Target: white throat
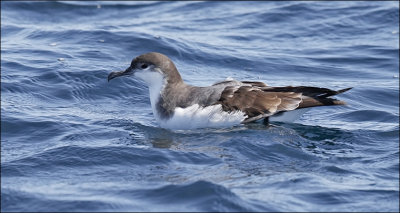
pixel 156 83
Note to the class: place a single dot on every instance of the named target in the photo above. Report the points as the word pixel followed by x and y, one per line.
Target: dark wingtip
pixel 338 102
pixel 344 90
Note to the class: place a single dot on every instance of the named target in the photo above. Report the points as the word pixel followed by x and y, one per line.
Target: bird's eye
pixel 144 66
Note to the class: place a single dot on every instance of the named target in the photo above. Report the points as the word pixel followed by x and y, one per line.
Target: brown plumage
pixel 260 101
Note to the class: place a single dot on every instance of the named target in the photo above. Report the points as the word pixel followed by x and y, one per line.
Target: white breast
pixel 155 82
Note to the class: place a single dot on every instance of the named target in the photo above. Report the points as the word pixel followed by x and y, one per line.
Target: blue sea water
pixel 71 141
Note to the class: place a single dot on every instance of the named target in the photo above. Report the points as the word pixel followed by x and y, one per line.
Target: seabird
pixel 177 105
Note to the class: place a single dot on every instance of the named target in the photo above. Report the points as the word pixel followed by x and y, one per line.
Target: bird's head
pixel 150 67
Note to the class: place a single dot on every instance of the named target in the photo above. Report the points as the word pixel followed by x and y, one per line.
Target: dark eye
pixel 144 66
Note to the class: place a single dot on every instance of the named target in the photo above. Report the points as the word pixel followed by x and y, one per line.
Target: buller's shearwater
pixel 177 105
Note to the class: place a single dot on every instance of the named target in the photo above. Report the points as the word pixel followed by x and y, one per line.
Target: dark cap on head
pixel 157 60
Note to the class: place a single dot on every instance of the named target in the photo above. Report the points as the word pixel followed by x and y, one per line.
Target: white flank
pixel 201 117
pixel 289 116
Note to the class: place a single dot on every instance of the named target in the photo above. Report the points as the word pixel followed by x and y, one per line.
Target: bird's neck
pixel 162 100
pixel 156 88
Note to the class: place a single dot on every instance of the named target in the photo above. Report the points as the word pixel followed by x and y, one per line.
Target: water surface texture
pixel 71 141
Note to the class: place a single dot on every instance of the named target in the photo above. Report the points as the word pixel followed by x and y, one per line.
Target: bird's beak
pixel 112 75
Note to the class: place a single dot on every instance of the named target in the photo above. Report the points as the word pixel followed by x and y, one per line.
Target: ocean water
pixel 71 141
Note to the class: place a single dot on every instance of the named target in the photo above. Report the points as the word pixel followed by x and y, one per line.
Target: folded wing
pixel 259 101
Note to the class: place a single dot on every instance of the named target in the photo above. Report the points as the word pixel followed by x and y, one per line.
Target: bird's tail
pixel 312 96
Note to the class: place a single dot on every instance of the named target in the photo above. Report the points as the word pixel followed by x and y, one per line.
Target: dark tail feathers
pixel 312 96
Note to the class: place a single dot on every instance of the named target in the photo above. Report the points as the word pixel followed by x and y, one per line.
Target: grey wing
pixel 233 82
pixel 214 92
pixel 207 96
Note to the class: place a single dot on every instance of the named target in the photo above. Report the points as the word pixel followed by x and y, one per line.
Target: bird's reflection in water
pixel 161 142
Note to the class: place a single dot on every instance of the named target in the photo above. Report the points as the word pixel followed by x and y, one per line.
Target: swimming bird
pixel 178 105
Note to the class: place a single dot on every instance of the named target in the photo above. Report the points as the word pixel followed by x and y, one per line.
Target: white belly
pixel 200 117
